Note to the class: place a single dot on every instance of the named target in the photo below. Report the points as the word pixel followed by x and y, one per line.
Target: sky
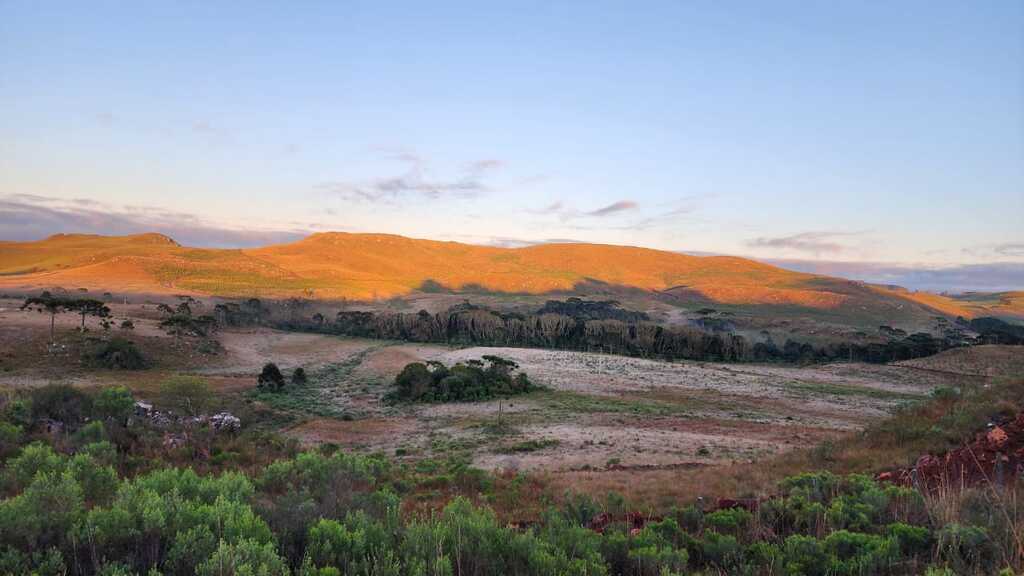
pixel 881 140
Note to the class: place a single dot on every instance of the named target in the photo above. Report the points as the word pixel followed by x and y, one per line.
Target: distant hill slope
pixel 363 266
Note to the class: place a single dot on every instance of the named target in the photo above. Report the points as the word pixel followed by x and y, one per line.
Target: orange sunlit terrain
pixel 365 266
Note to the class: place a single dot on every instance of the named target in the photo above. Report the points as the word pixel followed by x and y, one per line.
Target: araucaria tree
pixel 49 303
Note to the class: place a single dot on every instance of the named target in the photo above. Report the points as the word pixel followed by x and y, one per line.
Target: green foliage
pixel 463 382
pixel 328 514
pixel 189 395
pixel 118 354
pixel 10 439
pixel 244 558
pixel 114 403
pixel 60 402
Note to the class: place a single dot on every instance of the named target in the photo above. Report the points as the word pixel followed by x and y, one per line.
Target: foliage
pixel 270 378
pixel 463 382
pixel 185 394
pixel 118 353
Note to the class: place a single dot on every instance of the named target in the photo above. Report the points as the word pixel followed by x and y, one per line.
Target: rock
pixel 225 422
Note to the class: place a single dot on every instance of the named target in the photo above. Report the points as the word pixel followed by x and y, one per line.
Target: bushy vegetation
pixel 118 353
pixel 491 377
pixel 95 499
pixel 270 378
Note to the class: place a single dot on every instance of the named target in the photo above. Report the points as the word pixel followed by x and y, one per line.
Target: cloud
pixel 995 277
pixel 31 217
pixel 565 213
pixel 614 208
pixel 417 181
pixel 509 242
pixel 812 242
pixel 1010 249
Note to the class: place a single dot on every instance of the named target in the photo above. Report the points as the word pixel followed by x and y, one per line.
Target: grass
pixel 325 391
pixel 845 390
pixel 565 402
pixel 529 446
pixel 930 425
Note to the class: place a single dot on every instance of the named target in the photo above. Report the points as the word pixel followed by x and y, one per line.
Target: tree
pixel 52 304
pixel 188 394
pixel 89 307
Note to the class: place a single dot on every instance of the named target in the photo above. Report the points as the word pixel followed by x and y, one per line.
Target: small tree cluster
pixel 491 377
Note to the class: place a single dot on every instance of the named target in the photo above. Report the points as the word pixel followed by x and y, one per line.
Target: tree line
pixel 601 327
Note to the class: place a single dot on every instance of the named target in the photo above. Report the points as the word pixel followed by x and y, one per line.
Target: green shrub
pixel 729 521
pixel 966 548
pixel 721 550
pixel 804 555
pixel 114 402
pixel 118 354
pixel 10 439
pixel 60 402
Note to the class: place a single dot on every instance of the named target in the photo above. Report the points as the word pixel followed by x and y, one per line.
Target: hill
pixel 377 266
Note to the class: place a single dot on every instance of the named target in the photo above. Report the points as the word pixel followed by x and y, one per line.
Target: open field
pixel 598 413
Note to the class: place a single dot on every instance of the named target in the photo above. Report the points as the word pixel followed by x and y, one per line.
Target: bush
pixel 185 394
pixel 270 378
pixel 114 403
pixel 299 376
pixel 60 402
pixel 119 354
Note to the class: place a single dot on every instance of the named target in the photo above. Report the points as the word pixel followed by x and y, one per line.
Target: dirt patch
pixel 369 434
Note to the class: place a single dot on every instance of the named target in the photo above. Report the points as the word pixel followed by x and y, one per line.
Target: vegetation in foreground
pixel 96 491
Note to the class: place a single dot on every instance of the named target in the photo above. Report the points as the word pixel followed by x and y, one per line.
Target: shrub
pixel 270 378
pixel 114 403
pixel 60 402
pixel 186 394
pixel 966 548
pixel 299 376
pixel 10 439
pixel 729 521
pixel 119 354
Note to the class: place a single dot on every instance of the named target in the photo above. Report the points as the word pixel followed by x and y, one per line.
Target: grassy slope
pixel 363 266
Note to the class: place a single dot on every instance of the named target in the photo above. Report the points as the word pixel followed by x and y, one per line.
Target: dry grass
pixel 377 266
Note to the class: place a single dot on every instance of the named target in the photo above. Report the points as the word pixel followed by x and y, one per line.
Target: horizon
pixel 875 143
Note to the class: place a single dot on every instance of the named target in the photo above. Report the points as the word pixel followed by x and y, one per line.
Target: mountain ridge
pixel 343 265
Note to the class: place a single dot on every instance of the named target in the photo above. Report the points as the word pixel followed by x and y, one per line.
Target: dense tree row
pixel 604 327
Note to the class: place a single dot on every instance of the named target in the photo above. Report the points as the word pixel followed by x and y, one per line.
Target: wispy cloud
pixel 821 242
pixel 614 208
pixel 509 242
pixel 416 180
pixel 564 213
pixel 32 217
pixel 1014 249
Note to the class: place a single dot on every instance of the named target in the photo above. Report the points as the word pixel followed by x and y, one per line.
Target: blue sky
pixel 860 131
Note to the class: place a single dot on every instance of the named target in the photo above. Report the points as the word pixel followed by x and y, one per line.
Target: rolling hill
pixel 376 266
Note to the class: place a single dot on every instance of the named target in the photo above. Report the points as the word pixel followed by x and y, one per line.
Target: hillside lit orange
pixel 374 266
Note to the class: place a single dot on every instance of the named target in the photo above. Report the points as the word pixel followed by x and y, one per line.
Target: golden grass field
pixel 378 266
